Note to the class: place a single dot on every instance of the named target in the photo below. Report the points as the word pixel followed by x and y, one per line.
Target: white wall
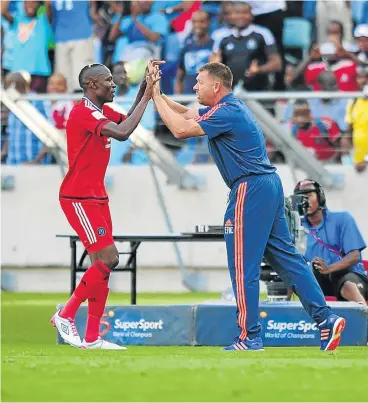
pixel 31 215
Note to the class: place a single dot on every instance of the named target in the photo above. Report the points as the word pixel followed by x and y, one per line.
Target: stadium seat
pixel 297 34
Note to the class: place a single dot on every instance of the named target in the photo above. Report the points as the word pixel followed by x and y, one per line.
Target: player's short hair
pixel 220 71
pixel 83 72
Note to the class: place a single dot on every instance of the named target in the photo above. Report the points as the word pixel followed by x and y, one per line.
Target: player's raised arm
pixel 122 131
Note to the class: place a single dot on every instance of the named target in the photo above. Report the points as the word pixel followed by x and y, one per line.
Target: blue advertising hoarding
pixel 142 325
pixel 283 324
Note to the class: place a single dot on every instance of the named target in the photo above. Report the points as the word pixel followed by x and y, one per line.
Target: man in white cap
pixel 361 37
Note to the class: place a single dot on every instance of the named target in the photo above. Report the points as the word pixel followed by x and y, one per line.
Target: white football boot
pixel 67 329
pixel 101 344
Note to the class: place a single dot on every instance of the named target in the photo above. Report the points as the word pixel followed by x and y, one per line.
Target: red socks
pixel 96 307
pixel 94 286
pixel 95 278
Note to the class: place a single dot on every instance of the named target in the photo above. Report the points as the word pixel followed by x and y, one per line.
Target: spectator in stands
pixel 332 10
pixel 109 12
pixel 358 53
pixel 329 56
pixel 23 146
pixel 8 37
pixel 317 135
pixel 58 110
pixel 357 118
pixel 270 14
pixel 333 108
pixel 226 22
pixel 143 33
pixel 361 37
pixel 196 52
pixel 178 13
pixel 73 26
pixel 171 8
pixel 292 82
pixel 335 34
pixel 125 151
pixel 31 39
pixel 250 52
pixel 334 246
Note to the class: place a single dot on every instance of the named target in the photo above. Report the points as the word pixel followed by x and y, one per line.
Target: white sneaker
pixel 67 330
pixel 101 344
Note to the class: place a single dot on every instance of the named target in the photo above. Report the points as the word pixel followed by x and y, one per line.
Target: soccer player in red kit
pixel 83 197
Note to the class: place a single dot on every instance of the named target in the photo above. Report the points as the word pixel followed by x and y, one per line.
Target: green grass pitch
pixel 34 368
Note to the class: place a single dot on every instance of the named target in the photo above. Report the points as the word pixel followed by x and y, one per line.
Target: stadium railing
pixel 296 157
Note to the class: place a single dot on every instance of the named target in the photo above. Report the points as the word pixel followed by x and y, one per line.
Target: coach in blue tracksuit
pixel 254 222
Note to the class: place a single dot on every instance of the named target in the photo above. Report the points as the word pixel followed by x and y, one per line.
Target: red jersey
pixel 88 151
pixel 345 72
pixel 320 143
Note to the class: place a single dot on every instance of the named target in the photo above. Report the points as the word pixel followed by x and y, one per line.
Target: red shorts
pixel 91 221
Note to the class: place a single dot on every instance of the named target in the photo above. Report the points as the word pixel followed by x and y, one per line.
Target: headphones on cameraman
pixel 309 185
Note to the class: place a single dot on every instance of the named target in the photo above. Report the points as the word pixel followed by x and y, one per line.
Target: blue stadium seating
pixel 297 34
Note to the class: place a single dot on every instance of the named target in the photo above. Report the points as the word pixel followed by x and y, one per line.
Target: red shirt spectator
pixel 318 135
pixel 58 111
pixel 345 72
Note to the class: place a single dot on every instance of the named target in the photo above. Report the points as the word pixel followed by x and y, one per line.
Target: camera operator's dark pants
pixel 255 226
pixel 331 284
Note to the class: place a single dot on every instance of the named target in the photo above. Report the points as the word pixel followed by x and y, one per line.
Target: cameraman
pixel 333 247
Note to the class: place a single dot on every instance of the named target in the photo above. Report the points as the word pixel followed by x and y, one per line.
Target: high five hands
pixel 153 77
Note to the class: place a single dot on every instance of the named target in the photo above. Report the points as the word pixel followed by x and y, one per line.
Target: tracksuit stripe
pixel 239 258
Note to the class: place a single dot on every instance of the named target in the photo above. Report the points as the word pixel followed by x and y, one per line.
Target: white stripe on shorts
pixel 86 225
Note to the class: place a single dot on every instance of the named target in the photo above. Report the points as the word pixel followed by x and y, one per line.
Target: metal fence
pixel 257 96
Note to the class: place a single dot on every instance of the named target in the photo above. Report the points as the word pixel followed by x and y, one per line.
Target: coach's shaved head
pixel 91 72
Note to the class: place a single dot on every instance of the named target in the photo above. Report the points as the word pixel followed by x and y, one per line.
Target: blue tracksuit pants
pixel 255 226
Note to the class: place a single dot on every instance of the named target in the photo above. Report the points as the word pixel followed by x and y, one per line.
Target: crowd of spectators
pixel 269 46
